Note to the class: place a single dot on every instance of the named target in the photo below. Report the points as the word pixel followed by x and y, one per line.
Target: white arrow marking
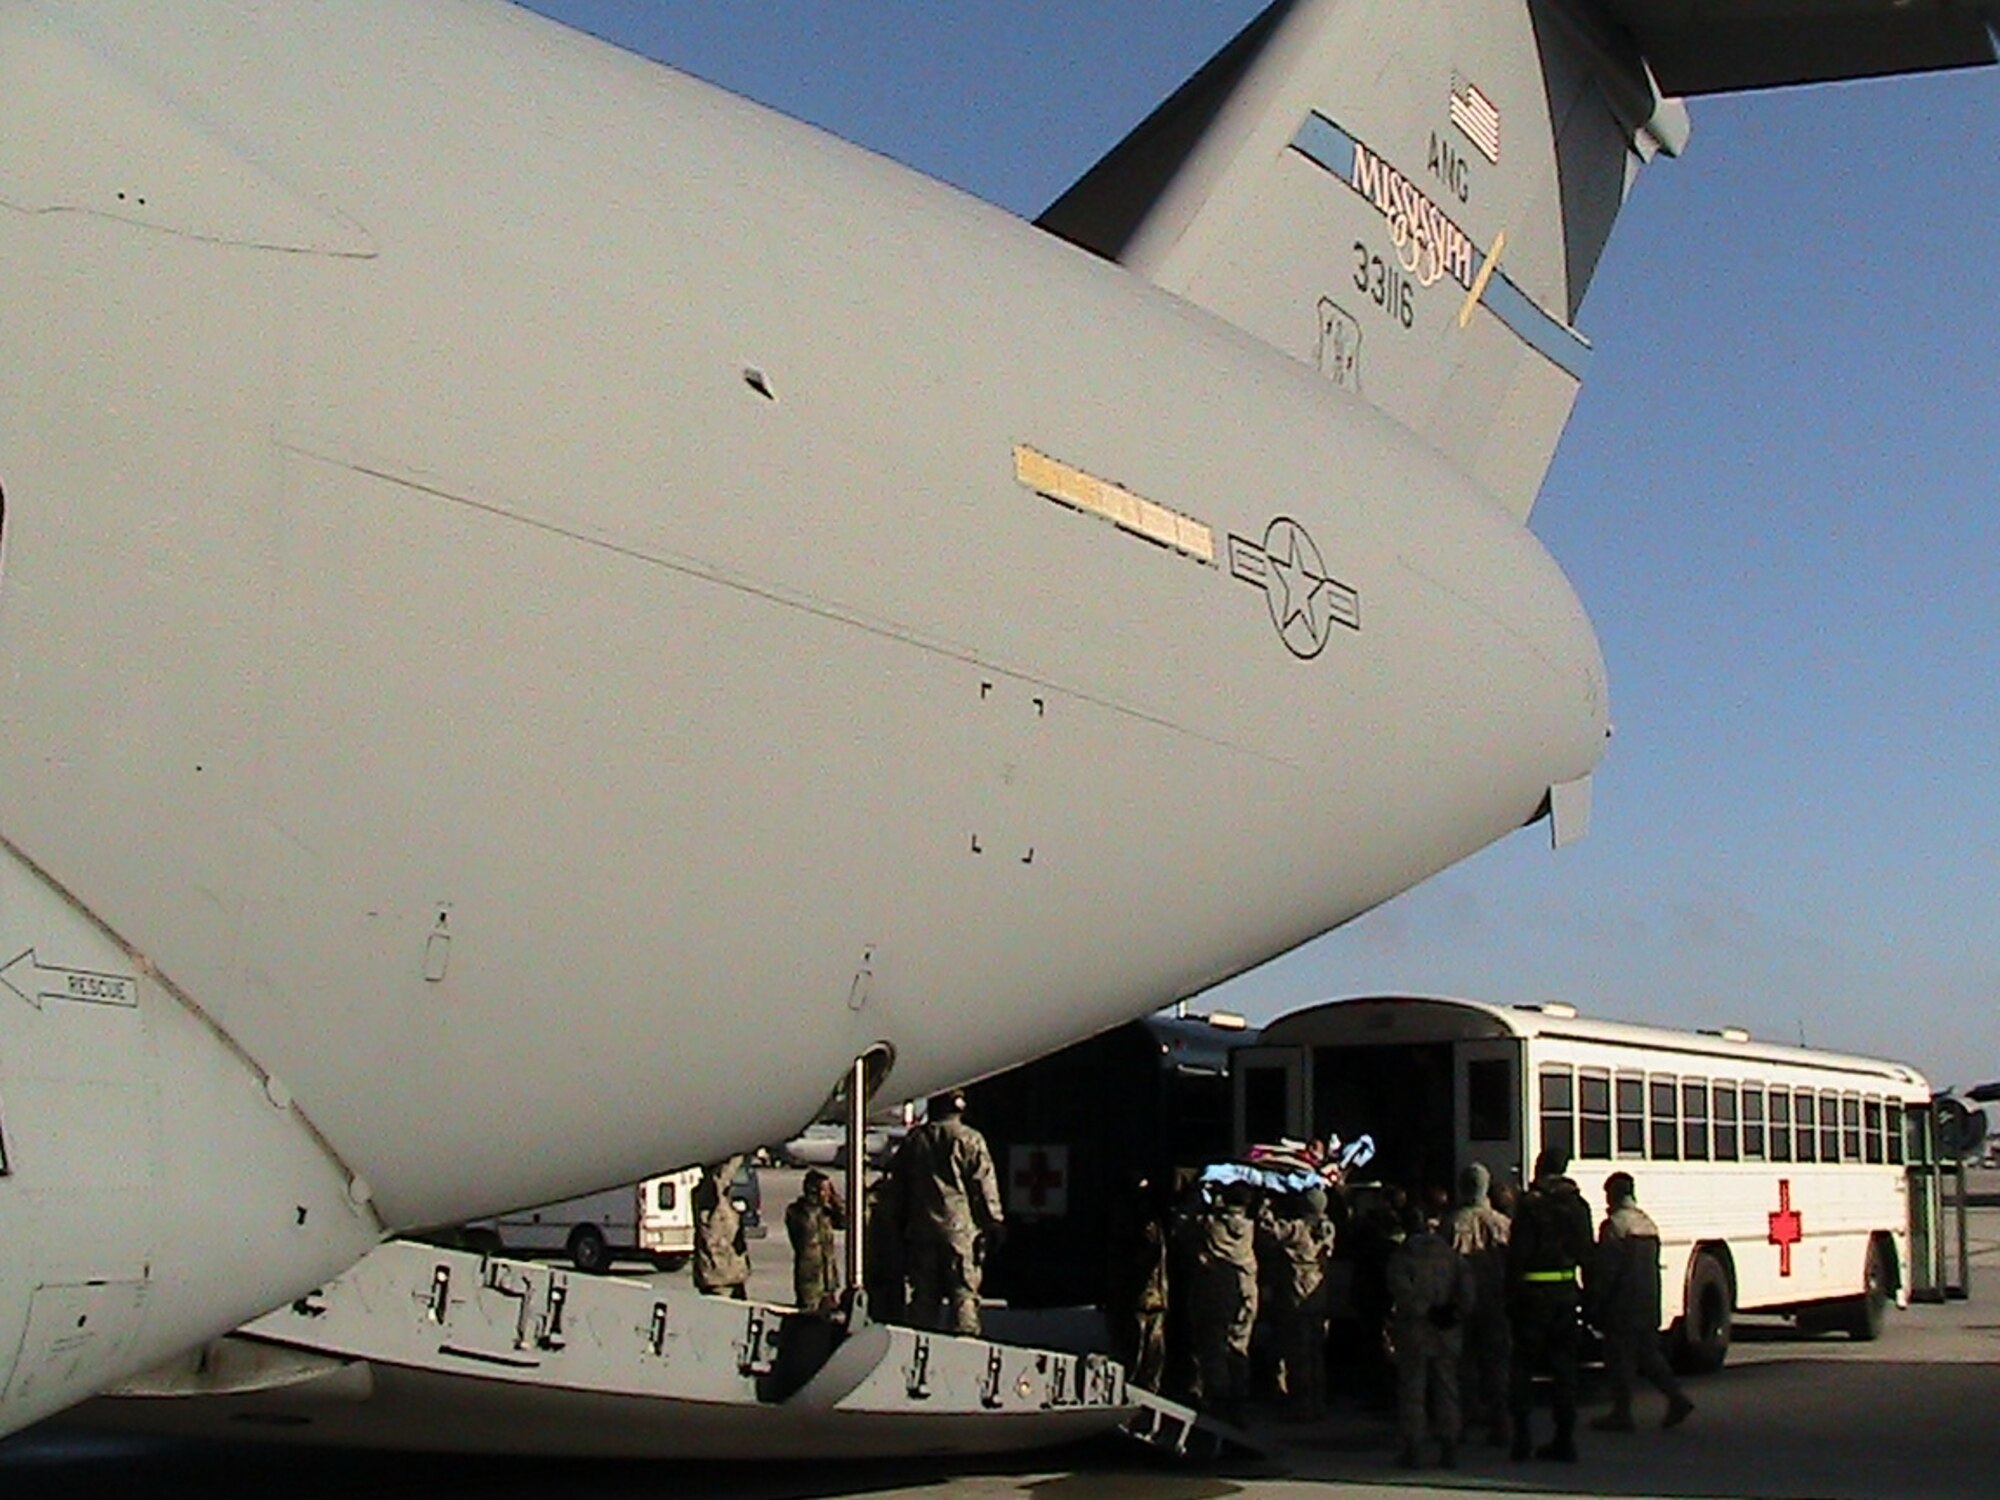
pixel 39 983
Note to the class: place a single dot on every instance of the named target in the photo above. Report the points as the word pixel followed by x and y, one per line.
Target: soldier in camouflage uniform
pixel 1479 1232
pixel 1430 1296
pixel 951 1206
pixel 883 1268
pixel 1222 1256
pixel 810 1222
pixel 721 1260
pixel 1374 1232
pixel 1299 1237
pixel 1622 1290
pixel 1547 1244
pixel 1136 1285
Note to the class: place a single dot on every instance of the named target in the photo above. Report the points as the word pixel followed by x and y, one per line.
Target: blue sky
pixel 1779 498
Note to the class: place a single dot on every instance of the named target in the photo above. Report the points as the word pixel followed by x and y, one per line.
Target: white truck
pixel 651 1220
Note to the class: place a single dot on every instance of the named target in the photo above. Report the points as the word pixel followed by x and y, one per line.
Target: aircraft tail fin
pixel 1410 197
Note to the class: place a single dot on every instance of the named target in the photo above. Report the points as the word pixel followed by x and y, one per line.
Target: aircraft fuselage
pixel 529 583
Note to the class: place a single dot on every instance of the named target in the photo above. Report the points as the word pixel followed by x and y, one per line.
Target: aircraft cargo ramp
pixel 419 1347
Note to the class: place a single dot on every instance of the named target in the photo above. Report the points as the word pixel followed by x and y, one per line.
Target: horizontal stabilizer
pixel 1707 49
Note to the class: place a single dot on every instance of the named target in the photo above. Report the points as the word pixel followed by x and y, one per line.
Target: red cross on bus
pixel 1787 1228
pixel 1039 1178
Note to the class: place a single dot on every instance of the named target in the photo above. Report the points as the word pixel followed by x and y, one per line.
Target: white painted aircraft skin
pixel 517 598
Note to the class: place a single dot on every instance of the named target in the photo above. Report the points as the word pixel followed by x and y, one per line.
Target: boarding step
pixel 1183 1432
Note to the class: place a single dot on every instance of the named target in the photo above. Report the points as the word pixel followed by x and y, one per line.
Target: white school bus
pixel 1779 1176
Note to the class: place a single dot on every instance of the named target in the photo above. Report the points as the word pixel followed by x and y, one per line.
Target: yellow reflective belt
pixel 1553 1276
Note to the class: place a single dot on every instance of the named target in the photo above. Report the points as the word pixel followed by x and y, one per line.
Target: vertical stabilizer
pixel 1411 197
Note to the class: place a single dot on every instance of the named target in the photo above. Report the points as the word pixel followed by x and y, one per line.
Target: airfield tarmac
pixel 1914 1415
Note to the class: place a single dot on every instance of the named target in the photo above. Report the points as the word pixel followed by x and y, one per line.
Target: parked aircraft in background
pixel 523 577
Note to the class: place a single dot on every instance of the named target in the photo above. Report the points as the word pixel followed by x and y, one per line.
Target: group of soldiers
pixel 1461 1305
pixel 930 1220
pixel 722 1255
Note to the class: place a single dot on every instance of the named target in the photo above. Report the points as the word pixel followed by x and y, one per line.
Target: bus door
pixel 1273 1088
pixel 1940 1262
pixel 1486 1091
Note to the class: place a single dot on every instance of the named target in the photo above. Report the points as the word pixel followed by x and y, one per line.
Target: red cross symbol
pixel 1787 1228
pixel 1038 1179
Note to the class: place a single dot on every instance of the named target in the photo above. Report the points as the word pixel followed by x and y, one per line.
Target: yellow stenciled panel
pixel 1068 485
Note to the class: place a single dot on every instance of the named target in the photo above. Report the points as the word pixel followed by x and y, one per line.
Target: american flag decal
pixel 1476 117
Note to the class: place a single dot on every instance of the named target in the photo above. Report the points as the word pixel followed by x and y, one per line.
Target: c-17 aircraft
pixel 523 576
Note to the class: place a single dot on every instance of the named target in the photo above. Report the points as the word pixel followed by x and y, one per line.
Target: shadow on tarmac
pixel 1783 1427
pixel 1804 1415
pixel 63 1464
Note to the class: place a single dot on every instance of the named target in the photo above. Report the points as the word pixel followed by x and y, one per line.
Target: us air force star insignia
pixel 1305 600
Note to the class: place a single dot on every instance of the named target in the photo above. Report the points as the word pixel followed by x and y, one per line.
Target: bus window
pixel 1753 1123
pixel 1781 1125
pixel 1872 1141
pixel 1666 1120
pixel 1829 1125
pixel 1558 1111
pixel 1850 1128
pixel 1489 1099
pixel 1631 1115
pixel 1725 1122
pixel 1593 1115
pixel 1893 1127
pixel 1694 1124
pixel 1805 1126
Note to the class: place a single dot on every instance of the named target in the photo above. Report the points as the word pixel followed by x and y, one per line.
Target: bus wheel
pixel 1704 1336
pixel 588 1250
pixel 1867 1312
